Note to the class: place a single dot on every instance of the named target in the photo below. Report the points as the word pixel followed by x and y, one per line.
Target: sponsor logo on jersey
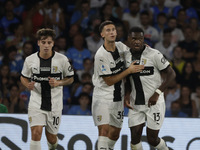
pixel 103 68
pixel 99 118
pixel 35 70
pixel 55 68
pixel 45 68
pixel 147 71
pixel 117 70
pixel 38 78
pixel 118 60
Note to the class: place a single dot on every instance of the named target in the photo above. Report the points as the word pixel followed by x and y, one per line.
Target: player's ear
pixel 102 35
pixel 38 42
pixel 129 38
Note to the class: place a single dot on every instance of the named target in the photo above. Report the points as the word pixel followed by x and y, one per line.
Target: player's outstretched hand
pixel 31 85
pixel 53 82
pixel 135 68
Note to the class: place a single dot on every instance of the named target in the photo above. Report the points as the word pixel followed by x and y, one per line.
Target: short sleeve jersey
pixel 149 79
pixel 43 96
pixel 108 64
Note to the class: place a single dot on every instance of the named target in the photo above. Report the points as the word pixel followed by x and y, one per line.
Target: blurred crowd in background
pixel 171 26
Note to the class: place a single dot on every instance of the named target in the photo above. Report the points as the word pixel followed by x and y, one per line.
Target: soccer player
pixel 108 104
pixel 45 73
pixel 146 98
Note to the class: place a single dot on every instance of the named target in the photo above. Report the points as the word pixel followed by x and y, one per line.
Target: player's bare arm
pixel 128 90
pixel 27 83
pixel 66 81
pixel 167 75
pixel 110 80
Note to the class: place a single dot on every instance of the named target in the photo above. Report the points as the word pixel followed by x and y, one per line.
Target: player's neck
pixel 109 46
pixel 133 51
pixel 45 55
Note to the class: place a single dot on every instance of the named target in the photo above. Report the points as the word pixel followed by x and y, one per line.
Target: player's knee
pixel 36 135
pixel 103 131
pixel 52 139
pixel 114 133
pixel 153 141
pixel 114 136
pixel 135 140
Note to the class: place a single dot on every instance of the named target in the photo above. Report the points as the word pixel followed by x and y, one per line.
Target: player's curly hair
pixel 136 29
pixel 44 33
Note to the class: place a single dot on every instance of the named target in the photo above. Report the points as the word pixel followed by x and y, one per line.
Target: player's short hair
pixel 44 33
pixel 107 22
pixel 136 29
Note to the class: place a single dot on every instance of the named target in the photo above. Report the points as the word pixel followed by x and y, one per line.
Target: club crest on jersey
pixel 30 119
pixel 55 68
pixel 103 68
pixel 99 118
pixel 144 61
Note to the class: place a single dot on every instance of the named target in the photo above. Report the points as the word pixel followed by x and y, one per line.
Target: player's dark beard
pixel 137 54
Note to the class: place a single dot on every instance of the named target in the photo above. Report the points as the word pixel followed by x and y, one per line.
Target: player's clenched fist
pixel 53 82
pixel 135 68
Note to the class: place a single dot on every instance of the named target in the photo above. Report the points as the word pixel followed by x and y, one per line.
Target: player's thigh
pixel 155 116
pixel 136 117
pixel 136 133
pixel 116 114
pixel 36 117
pixel 100 112
pixel 53 122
